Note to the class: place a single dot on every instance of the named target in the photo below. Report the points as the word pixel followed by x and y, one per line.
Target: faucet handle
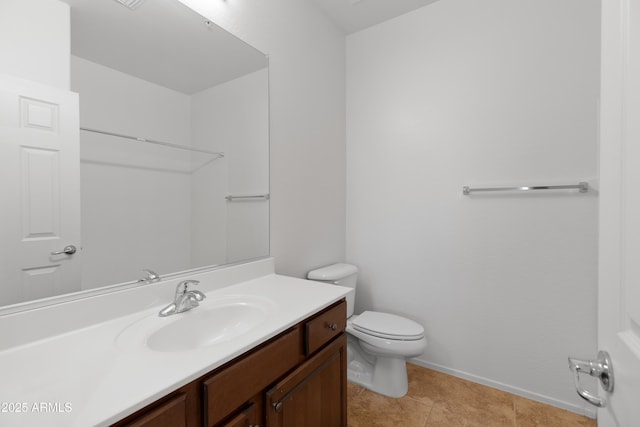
pixel 199 296
pixel 150 276
pixel 183 286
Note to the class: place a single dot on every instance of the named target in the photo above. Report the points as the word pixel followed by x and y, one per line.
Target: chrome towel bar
pixel 231 198
pixel 583 187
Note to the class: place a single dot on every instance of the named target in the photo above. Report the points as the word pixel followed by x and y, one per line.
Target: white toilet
pixel 378 344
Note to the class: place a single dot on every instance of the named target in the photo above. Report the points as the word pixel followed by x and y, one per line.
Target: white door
pixel 619 266
pixel 40 190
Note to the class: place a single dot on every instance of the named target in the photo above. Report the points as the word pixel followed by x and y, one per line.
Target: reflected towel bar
pixel 151 141
pixel 582 186
pixel 250 197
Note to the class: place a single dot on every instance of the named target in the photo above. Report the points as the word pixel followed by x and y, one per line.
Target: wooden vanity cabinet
pixel 171 413
pixel 297 378
pixel 178 409
pixel 313 395
pixel 249 416
pixel 239 381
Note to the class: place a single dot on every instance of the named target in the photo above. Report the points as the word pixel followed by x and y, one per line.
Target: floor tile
pixel 369 409
pixel 534 414
pixel 457 414
pixel 457 397
pixel 433 386
pixel 353 390
pixel 435 399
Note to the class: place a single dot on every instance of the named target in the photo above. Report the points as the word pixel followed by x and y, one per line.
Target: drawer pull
pixel 332 326
pixel 277 406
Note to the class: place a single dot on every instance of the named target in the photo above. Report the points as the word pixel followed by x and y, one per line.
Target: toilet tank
pixel 338 274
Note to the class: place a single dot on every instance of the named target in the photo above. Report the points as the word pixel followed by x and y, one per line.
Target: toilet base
pixel 381 374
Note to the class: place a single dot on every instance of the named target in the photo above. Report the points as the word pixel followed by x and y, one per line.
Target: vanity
pixel 296 378
pixel 286 369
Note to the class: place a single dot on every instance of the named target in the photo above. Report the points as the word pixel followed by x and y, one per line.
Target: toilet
pixel 378 344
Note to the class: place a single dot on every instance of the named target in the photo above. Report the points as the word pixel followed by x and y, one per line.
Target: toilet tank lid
pixel 333 272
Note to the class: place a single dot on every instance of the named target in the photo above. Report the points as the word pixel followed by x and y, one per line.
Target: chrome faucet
pixel 184 299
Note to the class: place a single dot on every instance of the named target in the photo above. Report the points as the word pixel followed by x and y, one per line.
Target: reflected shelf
pixel 111 148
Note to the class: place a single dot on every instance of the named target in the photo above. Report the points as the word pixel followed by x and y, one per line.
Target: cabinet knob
pixel 277 406
pixel 332 326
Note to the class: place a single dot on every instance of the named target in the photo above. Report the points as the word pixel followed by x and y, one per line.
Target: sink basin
pixel 214 321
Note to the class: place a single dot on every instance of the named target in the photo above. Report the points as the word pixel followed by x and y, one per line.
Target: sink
pixel 216 320
pixel 202 326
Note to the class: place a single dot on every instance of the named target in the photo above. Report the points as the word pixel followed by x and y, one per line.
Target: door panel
pixel 39 157
pixel 619 266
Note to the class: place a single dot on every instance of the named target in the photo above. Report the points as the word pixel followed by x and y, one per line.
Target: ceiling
pixel 108 33
pixel 355 15
pixel 161 41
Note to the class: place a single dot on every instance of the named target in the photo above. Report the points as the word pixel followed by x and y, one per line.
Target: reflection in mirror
pixel 174 120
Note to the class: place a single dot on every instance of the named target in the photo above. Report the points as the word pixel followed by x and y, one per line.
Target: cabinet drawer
pixel 234 385
pixel 325 326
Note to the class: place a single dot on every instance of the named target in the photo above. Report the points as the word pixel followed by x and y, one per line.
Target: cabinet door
pixel 246 418
pixel 314 395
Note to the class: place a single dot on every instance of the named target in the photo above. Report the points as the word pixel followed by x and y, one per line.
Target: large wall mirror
pixel 173 152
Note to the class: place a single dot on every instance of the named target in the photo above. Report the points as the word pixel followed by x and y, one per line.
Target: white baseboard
pixel 587 412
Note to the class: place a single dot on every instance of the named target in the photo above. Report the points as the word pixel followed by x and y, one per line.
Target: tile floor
pixel 435 399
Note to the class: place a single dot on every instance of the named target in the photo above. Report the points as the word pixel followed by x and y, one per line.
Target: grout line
pixel 426 422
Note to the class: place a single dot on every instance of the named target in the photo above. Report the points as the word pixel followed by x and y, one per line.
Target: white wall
pixel 136 207
pixel 307 124
pixel 248 165
pixel 232 117
pixel 35 46
pixel 460 93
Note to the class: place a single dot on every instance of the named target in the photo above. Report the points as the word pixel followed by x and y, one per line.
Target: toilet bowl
pixel 378 343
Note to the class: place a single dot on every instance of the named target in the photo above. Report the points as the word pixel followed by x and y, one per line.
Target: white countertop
pixel 87 377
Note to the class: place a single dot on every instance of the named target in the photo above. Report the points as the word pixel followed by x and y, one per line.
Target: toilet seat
pixel 387 326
